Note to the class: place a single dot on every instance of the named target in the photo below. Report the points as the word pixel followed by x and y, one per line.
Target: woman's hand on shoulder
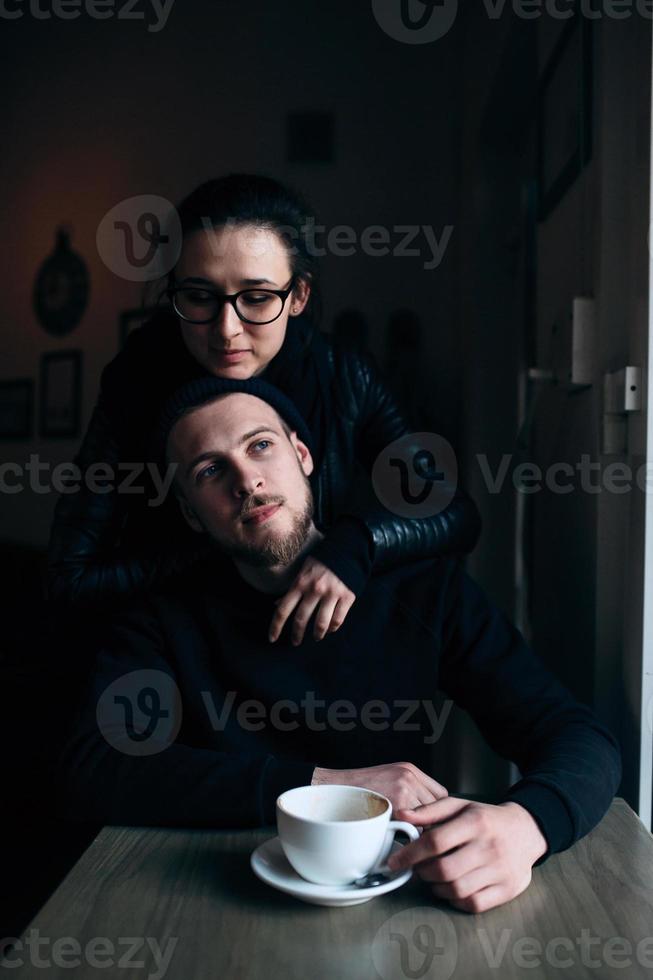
pixel 315 590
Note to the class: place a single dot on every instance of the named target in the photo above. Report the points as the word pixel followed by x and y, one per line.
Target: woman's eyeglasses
pixel 198 304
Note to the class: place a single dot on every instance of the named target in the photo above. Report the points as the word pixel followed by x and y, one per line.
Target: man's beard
pixel 277 549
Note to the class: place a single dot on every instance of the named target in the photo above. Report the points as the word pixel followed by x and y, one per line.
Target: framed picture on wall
pixel 16 408
pixel 131 320
pixel 565 114
pixel 60 394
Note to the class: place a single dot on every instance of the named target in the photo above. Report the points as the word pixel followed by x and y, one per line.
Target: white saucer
pixel 270 864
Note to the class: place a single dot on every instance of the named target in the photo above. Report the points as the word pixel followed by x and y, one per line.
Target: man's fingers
pixel 424 848
pixel 455 865
pixel 324 618
pixel 431 813
pixel 464 885
pixel 435 788
pixel 284 608
pixel 341 611
pixel 300 622
pixel 331 615
pixel 481 901
pixel 421 850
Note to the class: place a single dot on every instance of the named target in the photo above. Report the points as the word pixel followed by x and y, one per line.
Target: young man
pixel 196 718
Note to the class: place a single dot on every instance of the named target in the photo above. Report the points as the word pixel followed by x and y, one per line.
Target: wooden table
pixel 192 894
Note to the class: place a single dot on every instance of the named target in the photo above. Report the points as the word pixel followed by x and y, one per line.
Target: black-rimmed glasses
pixel 200 304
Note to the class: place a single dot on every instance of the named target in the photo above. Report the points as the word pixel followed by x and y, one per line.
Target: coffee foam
pixel 362 806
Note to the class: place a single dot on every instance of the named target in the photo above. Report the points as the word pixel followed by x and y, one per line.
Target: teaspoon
pixel 378 876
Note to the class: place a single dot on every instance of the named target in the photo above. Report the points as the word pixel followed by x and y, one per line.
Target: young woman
pixel 243 302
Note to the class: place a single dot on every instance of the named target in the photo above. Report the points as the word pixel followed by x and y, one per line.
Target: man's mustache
pixel 253 503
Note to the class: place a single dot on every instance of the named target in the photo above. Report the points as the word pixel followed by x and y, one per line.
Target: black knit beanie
pixel 203 390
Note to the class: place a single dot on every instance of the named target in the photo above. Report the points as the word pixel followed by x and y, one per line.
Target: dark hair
pixel 252 199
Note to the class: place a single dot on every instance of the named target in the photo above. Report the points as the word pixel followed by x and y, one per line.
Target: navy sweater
pixel 193 718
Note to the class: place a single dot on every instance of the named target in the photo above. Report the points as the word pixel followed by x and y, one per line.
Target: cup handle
pixel 393 827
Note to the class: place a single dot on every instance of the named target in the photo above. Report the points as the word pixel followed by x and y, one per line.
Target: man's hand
pixel 475 855
pixel 315 588
pixel 404 784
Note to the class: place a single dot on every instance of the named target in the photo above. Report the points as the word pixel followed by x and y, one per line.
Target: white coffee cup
pixel 332 835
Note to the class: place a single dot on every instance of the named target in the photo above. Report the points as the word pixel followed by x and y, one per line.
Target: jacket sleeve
pixel 570 764
pixel 87 524
pixel 115 769
pixel 85 565
pixel 369 537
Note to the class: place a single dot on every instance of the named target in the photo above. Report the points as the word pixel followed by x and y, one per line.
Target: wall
pixel 586 552
pixel 623 302
pixel 595 243
pixel 500 80
pixel 104 110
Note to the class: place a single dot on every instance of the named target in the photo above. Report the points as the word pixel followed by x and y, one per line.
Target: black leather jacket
pixel 107 544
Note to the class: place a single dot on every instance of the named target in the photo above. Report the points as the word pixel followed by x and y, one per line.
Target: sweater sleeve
pixel 570 764
pixel 124 760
